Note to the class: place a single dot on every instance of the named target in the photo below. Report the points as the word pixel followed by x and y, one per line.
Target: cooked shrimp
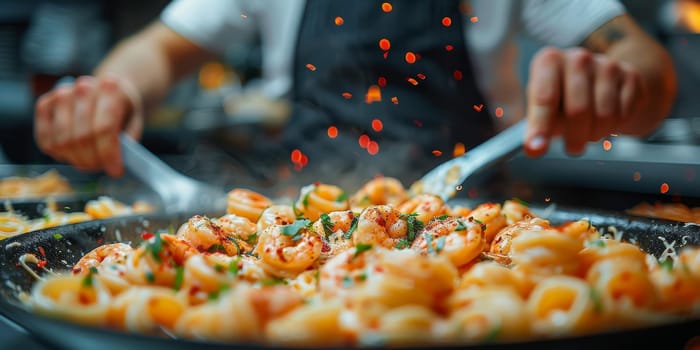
pixel 333 227
pixel 381 225
pixel 114 253
pixel 427 206
pixel 501 242
pixel 339 275
pixel 247 203
pixel 238 226
pixel 284 253
pixel 278 214
pixel 205 235
pixel 515 210
pixel 459 239
pixel 458 210
pixel 317 199
pixel 489 214
pixel 379 191
pixel 156 260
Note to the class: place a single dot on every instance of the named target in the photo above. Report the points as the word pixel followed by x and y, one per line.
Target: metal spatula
pixel 444 179
pixel 180 194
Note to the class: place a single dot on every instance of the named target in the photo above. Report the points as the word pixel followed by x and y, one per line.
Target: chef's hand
pixel 80 122
pixel 580 95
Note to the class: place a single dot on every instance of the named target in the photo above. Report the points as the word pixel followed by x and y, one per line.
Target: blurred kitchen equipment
pixel 179 193
pixel 444 179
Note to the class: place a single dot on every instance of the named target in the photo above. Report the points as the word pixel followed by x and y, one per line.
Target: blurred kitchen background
pixel 210 119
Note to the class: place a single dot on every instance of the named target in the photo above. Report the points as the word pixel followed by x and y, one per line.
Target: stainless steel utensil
pixel 179 193
pixel 444 179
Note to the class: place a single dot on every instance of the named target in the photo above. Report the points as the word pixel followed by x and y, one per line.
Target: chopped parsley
pixel 596 299
pixel 47 218
pixel 327 224
pixel 219 268
pixel 87 281
pixel 353 227
pixel 273 281
pixel 493 334
pixel 460 226
pixel 414 225
pixel 252 238
pixel 521 201
pixel 305 200
pixel 217 248
pixel 342 197
pixel 362 276
pixel 179 277
pixel 57 236
pixel 361 248
pixel 483 226
pixel 443 217
pixel 598 243
pixel 235 242
pixel 150 277
pixel 215 294
pixel 401 244
pixel 233 266
pixel 440 244
pixel 667 264
pixel 294 230
pixel 156 246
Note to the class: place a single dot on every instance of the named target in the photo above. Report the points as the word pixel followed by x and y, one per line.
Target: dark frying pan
pixel 78 239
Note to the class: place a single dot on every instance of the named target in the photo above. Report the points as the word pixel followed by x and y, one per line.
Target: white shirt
pixel 215 24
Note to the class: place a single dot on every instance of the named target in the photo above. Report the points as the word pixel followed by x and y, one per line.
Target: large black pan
pixel 75 240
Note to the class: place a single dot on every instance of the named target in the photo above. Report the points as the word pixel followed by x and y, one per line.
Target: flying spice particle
pixel 418 123
pixel 381 81
pixel 395 100
pixel 607 145
pixel 377 125
pixel 244 16
pixel 339 21
pixel 636 176
pixel 457 74
pixel 499 112
pixel 410 57
pixel 363 141
pixel 374 94
pixel 332 132
pixel 386 54
pixel 347 95
pixel 474 19
pixel 458 187
pixel 478 107
pixel 413 82
pixel 664 188
pixel 437 152
pixel 446 21
pixel 421 76
pixel 547 199
pixel 372 147
pixel 449 48
pixel 310 67
pixel 386 7
pixel 296 156
pixel 458 150
pixel 384 44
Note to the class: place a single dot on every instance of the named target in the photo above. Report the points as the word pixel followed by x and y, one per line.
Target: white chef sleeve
pixel 212 24
pixel 566 23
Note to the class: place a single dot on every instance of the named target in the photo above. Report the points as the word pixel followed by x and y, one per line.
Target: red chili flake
pixel 474 19
pixel 449 48
pixel 304 160
pixel 379 269
pixel 310 67
pixel 499 112
pixel 607 145
pixel 347 95
pixel 395 100
pixel 77 270
pixel 458 150
pixel 437 152
pixel 446 21
pixel 374 94
pixel 413 82
pixel 296 156
pixel 418 123
pixel 457 74
pixel 41 263
pixel 373 148
pixel 377 125
pixel 363 141
pixel 339 21
pixel 386 54
pixel 421 76
pixel 386 7
pixel 410 57
pixel 478 107
pixel 42 251
pixel 381 81
pixel 145 235
pixel 664 187
pixel 384 44
pixel 332 132
pixel 326 247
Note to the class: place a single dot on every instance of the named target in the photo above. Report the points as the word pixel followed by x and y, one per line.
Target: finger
pixel 543 98
pixel 577 100
pixel 606 93
pixel 109 114
pixel 62 124
pixel 43 121
pixel 630 94
pixel 85 93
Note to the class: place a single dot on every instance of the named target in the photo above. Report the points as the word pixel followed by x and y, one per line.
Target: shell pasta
pixel 375 267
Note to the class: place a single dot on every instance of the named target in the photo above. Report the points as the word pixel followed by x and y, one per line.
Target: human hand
pixel 580 95
pixel 79 123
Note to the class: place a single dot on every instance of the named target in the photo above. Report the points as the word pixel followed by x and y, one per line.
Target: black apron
pixel 335 65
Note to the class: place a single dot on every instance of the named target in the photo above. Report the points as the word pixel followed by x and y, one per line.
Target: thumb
pixel 539 125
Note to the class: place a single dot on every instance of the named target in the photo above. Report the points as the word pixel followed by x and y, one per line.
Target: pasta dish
pixel 48 183
pixel 375 267
pixel 670 211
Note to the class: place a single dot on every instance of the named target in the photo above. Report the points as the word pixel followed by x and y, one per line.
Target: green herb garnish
pixel 493 334
pixel 362 276
pixel 401 244
pixel 179 277
pixel 215 294
pixel 305 200
pixel 460 226
pixel 87 281
pixel 293 230
pixel 414 225
pixel 667 264
pixel 272 281
pixel 342 197
pixel 361 248
pixel 252 238
pixel 150 277
pixel 597 300
pixel 353 227
pixel 598 243
pixel 443 217
pixel 521 201
pixel 217 248
pixel 327 224
pixel 235 242
pixel 156 246
pixel 233 266
pixel 57 236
